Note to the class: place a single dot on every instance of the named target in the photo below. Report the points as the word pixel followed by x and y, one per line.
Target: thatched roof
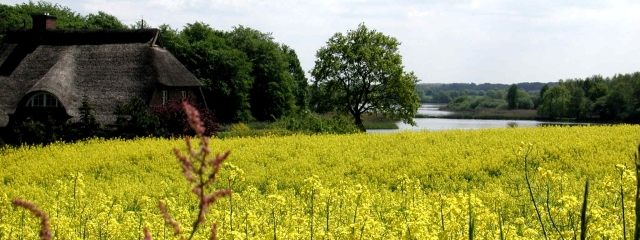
pixel 108 67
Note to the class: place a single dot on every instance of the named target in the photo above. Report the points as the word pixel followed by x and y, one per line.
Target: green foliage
pixel 272 92
pixel 30 131
pixel 239 127
pixel 247 74
pixel 512 97
pixel 307 122
pixel 301 91
pixel 555 102
pixel 225 70
pixel 616 98
pixel 469 103
pixel 268 132
pixel 523 100
pixel 19 17
pixel 103 20
pixel 87 126
pixel 361 71
pixel 136 119
pixel 173 120
pixel 445 92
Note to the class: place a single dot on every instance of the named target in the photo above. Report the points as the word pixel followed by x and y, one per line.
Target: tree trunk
pixel 357 118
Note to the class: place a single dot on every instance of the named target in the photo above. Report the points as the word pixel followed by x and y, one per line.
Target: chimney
pixel 43 22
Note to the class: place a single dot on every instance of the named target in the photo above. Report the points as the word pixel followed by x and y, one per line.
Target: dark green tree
pixel 361 71
pixel 136 119
pixel 555 102
pixel 103 20
pixel 578 104
pixel 88 125
pixel 19 16
pixel 523 100
pixel 226 71
pixel 272 92
pixel 512 97
pixel 301 90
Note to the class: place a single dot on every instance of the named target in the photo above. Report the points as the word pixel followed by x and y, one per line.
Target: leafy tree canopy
pixel 361 71
pixel 248 75
pixel 19 17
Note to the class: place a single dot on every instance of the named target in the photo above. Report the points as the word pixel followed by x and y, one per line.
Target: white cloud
pixel 442 41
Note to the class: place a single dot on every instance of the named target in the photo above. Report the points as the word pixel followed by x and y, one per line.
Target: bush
pixel 313 123
pixel 87 127
pixel 134 119
pixel 460 104
pixel 30 131
pixel 490 103
pixel 239 127
pixel 255 133
pixel 172 120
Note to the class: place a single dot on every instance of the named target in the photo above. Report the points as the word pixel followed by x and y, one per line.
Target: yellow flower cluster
pixel 425 185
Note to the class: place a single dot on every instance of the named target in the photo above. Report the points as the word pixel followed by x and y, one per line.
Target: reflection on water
pixel 437 124
pixel 432 110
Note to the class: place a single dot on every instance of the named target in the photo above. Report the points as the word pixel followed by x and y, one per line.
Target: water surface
pixel 437 124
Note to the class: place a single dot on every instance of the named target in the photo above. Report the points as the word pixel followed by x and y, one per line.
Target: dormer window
pixel 43 99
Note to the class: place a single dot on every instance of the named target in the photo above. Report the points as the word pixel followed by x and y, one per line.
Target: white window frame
pixel 42 100
pixel 165 96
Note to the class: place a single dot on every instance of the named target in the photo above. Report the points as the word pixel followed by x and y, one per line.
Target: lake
pixel 436 124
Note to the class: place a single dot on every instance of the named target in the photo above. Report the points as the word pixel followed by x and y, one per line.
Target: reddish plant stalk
pixel 147 234
pixel 200 171
pixel 45 227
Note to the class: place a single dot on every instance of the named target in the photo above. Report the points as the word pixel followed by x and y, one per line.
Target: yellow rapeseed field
pixel 427 185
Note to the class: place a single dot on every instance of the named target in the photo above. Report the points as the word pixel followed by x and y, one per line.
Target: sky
pixel 468 41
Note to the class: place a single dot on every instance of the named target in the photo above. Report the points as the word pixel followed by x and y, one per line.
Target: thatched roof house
pixel 44 68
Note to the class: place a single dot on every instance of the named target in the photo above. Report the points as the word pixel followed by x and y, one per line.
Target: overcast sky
pixel 499 41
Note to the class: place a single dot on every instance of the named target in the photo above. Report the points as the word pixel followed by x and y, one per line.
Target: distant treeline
pixel 615 98
pixel 471 96
pixel 446 92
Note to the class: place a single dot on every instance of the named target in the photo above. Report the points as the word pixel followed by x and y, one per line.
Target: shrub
pixel 255 133
pixel 31 131
pixel 313 123
pixel 135 119
pixel 172 120
pixel 239 127
pixel 87 127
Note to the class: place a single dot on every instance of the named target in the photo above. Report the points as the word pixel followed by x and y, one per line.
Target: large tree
pixel 512 97
pixel 361 71
pixel 555 102
pixel 226 71
pixel 272 93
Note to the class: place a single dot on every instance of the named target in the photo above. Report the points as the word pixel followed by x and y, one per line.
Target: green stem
pixel 624 222
pixel 533 200
pixel 583 212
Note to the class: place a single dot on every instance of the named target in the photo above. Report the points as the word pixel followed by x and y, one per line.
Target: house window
pixel 184 94
pixel 43 99
pixel 165 95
